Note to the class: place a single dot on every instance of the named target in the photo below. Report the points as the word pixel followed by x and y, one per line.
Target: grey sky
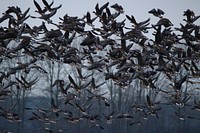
pixel 139 8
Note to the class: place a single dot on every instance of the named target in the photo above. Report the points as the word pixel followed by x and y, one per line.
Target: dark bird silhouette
pixel 43 12
pixel 70 97
pixel 157 13
pixel 191 18
pixel 98 11
pixel 20 17
pixel 23 44
pixel 158 34
pixel 9 114
pixel 81 76
pixel 97 125
pixel 61 85
pixel 84 107
pixel 99 97
pixel 90 20
pixel 9 34
pixel 25 83
pixel 53 34
pixel 180 116
pixel 196 105
pixel 165 22
pixel 178 83
pixel 117 7
pixel 90 40
pixel 93 84
pixel 55 107
pixel 152 107
pixel 124 115
pixel 179 100
pixel 138 25
pixel 197 32
pixel 42 117
pixel 5 17
pixel 78 88
pixel 73 83
pixel 12 9
pixel 110 117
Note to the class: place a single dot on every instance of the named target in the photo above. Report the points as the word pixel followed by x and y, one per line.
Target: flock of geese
pixel 123 54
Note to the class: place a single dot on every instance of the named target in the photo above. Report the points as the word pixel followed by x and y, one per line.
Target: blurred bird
pixel 118 8
pixel 43 12
pixel 157 13
pixel 165 22
pixel 99 11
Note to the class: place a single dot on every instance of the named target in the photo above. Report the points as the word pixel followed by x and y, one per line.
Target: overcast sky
pixel 139 8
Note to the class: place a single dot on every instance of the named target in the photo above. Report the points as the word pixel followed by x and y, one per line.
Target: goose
pixel 138 25
pixel 157 13
pixel 99 97
pixel 99 11
pixel 25 83
pixel 90 20
pixel 5 17
pixel 42 12
pixel 117 7
pixel 165 22
pixel 191 18
pixel 84 107
pixel 152 107
pixel 109 118
pixel 21 17
pixel 9 115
